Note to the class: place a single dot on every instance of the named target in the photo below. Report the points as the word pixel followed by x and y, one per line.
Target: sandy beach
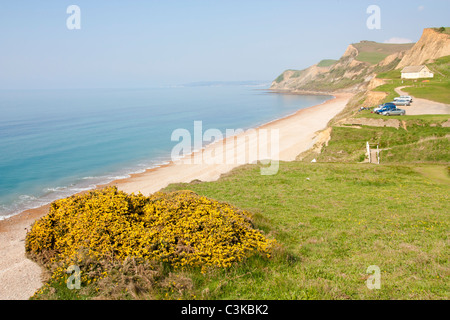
pixel 20 277
pixel 297 133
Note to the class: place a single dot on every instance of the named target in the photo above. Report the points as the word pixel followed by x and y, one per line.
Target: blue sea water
pixel 54 143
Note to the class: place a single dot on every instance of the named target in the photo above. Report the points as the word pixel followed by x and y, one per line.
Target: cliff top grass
pixel 371 57
pixel 334 221
pixel 326 63
pixel 385 48
pixel 374 52
pixel 445 30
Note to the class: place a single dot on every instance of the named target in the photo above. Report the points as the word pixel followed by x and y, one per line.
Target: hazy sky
pixel 133 43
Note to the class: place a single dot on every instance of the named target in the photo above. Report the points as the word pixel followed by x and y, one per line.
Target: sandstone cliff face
pixel 432 45
pixel 291 79
pixel 395 57
pixel 352 75
pixel 346 75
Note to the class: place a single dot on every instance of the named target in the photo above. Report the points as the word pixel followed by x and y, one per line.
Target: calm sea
pixel 54 143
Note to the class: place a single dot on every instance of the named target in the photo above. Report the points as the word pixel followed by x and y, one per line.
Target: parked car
pixel 394 112
pixel 402 102
pixel 385 107
pixel 407 98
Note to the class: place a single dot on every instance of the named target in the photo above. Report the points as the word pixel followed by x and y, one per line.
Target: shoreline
pixel 305 92
pixel 20 277
pixel 171 163
pixel 163 161
pixel 155 179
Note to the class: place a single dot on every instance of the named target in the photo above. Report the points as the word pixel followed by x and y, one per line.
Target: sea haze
pixel 55 143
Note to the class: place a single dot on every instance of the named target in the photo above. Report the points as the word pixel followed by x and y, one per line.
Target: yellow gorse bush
pixel 181 228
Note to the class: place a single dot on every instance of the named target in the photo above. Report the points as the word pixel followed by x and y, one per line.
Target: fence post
pixel 378 155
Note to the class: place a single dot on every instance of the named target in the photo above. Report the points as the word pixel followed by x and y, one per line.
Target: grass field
pixel 373 52
pixel 385 48
pixel 334 221
pixel 326 63
pixel 436 91
pixel 371 57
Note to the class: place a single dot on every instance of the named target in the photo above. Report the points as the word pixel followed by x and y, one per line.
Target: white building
pixel 416 72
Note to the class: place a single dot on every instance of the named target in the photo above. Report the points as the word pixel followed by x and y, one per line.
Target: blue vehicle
pixel 385 107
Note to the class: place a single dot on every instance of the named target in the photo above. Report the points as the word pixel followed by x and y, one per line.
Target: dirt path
pixel 423 106
pixel 373 155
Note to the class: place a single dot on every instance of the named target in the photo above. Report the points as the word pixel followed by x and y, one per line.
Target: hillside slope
pixel 432 45
pixel 356 69
pixel 352 72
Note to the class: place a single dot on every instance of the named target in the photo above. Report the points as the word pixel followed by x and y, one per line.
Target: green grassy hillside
pixel 373 52
pixel 326 63
pixel 423 141
pixel 371 57
pixel 334 221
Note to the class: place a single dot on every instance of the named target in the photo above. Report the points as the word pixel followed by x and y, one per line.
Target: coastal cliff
pixel 351 73
pixel 361 62
pixel 433 44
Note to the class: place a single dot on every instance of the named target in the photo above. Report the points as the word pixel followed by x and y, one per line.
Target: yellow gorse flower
pixel 181 228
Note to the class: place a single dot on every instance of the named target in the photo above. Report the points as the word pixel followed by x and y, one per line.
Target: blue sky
pixel 167 42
